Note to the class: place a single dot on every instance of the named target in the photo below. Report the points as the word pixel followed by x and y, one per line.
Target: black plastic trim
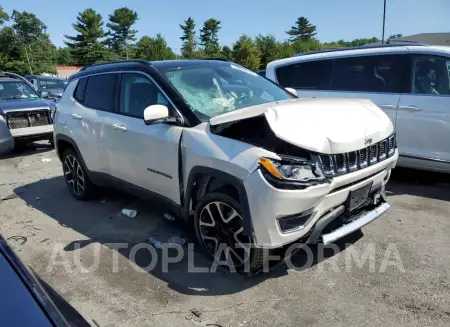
pixel 233 180
pixel 424 158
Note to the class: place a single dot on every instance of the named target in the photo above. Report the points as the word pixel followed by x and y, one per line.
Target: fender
pixel 233 180
pixel 62 137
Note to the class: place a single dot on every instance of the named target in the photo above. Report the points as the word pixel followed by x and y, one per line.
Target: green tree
pixel 88 46
pixel 120 32
pixel 154 48
pixel 268 48
pixel 394 36
pixel 4 17
pixel 246 53
pixel 302 30
pixel 226 52
pixel 188 38
pixel 25 47
pixel 209 38
pixel 64 57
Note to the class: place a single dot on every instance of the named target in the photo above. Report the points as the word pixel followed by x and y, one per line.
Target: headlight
pixel 302 173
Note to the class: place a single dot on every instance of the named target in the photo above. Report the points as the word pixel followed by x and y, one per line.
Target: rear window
pixel 313 75
pixel 100 92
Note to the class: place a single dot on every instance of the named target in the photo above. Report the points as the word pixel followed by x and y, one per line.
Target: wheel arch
pixel 203 180
pixel 62 143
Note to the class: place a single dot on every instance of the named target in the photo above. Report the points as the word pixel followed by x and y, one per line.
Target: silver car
pixel 409 82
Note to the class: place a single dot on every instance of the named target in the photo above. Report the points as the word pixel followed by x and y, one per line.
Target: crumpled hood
pixel 20 105
pixel 320 125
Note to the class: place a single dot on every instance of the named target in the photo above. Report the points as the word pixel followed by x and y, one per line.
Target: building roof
pixel 427 38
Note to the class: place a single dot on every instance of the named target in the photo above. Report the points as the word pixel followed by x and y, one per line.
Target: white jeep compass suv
pixel 259 167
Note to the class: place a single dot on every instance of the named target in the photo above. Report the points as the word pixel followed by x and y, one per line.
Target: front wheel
pixel 220 230
pixel 75 176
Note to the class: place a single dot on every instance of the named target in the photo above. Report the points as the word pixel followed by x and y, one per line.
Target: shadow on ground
pixel 100 222
pixel 419 183
pixel 29 149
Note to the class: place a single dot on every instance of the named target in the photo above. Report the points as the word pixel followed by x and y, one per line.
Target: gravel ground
pixel 396 272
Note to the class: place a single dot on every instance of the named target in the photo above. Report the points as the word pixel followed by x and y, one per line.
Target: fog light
pixel 294 222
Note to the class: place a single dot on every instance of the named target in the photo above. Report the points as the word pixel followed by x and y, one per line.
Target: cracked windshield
pixel 224 164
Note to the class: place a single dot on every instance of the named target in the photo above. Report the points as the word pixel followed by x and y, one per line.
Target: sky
pixel 335 19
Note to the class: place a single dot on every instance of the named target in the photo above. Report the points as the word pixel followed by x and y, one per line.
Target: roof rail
pixel 14 75
pixel 220 59
pixel 369 46
pixel 139 61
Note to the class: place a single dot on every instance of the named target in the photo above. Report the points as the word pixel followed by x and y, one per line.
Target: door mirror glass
pixel 291 90
pixel 156 113
pixel 44 94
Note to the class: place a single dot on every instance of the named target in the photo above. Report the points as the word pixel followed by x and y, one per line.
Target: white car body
pixel 165 159
pixel 421 120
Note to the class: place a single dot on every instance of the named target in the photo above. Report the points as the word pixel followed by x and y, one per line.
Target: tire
pixel 220 229
pixel 79 184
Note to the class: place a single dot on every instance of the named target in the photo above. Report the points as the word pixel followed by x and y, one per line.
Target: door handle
pixel 410 108
pixel 387 106
pixel 119 127
pixel 75 116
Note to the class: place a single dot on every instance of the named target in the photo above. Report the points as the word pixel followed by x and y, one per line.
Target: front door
pixel 143 155
pixel 423 120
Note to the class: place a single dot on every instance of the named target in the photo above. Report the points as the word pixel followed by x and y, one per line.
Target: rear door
pixel 308 78
pixel 380 78
pixel 423 120
pixel 139 154
pixel 92 115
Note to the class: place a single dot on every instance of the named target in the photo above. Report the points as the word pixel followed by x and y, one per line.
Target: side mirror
pixel 44 94
pixel 291 90
pixel 156 113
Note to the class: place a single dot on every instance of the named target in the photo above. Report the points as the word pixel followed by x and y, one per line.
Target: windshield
pixel 52 83
pixel 216 89
pixel 16 90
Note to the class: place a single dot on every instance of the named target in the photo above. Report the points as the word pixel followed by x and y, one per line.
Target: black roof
pixel 144 64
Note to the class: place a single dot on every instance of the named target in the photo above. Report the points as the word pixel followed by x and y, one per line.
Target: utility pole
pixel 384 22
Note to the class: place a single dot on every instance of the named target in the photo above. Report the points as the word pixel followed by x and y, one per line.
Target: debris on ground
pixel 169 216
pixel 38 198
pixel 176 240
pixel 130 213
pixel 9 197
pixel 46 159
pixel 196 312
pixel 22 239
pixel 159 241
pixel 155 242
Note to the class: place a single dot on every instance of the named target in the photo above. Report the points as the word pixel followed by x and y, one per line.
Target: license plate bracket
pixel 358 197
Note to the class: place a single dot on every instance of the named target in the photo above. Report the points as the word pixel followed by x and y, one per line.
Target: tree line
pixel 25 46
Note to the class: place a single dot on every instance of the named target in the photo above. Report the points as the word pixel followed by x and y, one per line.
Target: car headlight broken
pixel 298 171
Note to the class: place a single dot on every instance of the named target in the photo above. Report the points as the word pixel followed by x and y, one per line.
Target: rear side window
pixel 100 92
pixel 313 75
pixel 80 89
pixel 370 74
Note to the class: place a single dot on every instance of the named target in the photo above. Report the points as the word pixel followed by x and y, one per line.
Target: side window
pixel 431 75
pixel 314 75
pixel 137 93
pixel 78 94
pixel 100 92
pixel 384 73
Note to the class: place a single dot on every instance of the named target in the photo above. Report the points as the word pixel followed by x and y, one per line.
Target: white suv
pixel 410 82
pixel 251 166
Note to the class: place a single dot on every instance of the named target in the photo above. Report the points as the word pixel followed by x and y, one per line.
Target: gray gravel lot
pixel 405 280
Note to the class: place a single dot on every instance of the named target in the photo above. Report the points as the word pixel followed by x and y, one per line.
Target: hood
pixel 320 125
pixel 20 105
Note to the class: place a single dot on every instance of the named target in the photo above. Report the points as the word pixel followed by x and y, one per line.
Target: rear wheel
pixel 220 230
pixel 75 176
